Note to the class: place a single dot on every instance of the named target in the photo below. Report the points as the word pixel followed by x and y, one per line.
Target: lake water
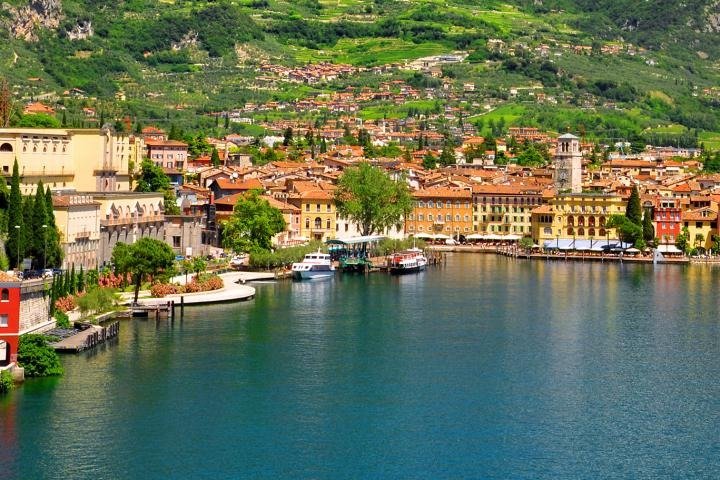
pixel 487 367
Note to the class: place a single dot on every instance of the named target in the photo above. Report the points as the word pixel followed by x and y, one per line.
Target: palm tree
pixel 699 239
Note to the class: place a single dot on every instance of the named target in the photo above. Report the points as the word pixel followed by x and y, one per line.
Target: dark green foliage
pixel 647 226
pixel 628 231
pixel 81 280
pixel 152 178
pixel 54 251
pixel 634 209
pixel 15 217
pixel 6 382
pixel 61 319
pixel 37 357
pixel 429 162
pixel 252 225
pixel 144 258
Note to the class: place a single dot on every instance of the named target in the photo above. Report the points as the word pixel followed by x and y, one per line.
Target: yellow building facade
pixel 503 209
pixel 72 159
pixel 317 214
pixel 701 224
pixel 577 216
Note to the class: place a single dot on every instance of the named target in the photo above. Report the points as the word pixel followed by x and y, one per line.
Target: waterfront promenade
pixel 234 290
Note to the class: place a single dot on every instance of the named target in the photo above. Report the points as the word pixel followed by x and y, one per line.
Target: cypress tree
pixel 72 290
pixel 66 283
pixel 215 158
pixel 81 280
pixel 38 232
pixel 27 247
pixel 15 218
pixel 53 237
pixel 648 229
pixel 634 210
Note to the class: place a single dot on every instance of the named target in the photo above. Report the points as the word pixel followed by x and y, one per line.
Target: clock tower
pixel 568 164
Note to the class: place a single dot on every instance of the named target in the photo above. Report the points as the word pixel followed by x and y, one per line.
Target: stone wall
pixel 34 305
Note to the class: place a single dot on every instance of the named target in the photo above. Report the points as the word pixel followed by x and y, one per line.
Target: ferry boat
pixel 409 261
pixel 314 265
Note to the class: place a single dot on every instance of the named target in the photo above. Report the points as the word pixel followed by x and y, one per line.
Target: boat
pixel 314 265
pixel 409 261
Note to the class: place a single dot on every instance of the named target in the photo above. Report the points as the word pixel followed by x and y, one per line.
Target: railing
pixel 132 220
pixel 83 234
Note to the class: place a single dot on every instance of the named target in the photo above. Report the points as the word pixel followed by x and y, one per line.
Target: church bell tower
pixel 568 164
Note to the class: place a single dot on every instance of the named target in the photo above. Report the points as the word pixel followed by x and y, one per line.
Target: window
pixel 346 226
pixel 329 207
pixel 5 295
pixel 307 223
pixel 411 217
pixel 430 204
pixel 307 207
pixel 3 320
pixel 327 224
pixel 448 217
pixel 421 204
pixel 430 216
pixel 698 224
pixel 421 217
pixel 317 207
pixel 176 241
pixel 448 204
pixel 318 223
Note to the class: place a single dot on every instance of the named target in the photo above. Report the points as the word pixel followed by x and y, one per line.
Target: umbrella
pixel 424 235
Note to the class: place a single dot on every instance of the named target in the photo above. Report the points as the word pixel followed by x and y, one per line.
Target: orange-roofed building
pixel 504 209
pixel 441 210
pixel 37 107
pixel 222 187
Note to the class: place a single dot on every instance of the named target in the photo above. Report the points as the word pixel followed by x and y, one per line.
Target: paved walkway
pixel 231 292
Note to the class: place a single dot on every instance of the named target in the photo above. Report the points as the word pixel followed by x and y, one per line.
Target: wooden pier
pixel 157 310
pixel 90 336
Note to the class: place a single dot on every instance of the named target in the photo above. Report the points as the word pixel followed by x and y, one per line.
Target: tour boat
pixel 314 265
pixel 408 261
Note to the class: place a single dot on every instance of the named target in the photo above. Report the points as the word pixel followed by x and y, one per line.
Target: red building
pixel 668 220
pixel 9 318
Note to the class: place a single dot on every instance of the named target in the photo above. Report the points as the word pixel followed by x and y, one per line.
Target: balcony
pixel 84 235
pixel 111 222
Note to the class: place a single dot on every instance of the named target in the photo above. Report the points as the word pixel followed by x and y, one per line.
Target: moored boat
pixel 314 265
pixel 409 261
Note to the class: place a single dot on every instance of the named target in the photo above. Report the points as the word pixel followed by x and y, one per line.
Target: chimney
pixel 212 198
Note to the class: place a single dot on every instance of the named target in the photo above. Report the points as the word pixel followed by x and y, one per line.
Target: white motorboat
pixel 409 261
pixel 314 265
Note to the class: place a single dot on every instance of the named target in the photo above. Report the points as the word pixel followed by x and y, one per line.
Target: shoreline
pixel 571 257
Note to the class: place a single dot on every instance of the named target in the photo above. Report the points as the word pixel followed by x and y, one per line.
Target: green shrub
pixel 6 382
pixel 61 319
pixel 97 300
pixel 37 357
pixel 282 257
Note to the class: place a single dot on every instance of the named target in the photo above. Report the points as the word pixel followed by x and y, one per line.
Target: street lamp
pixel 45 250
pixel 17 242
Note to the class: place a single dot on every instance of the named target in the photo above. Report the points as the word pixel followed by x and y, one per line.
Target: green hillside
pixel 634 69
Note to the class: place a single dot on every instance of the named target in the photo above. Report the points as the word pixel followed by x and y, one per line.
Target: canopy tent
pixel 424 235
pixel 441 236
pixel 590 245
pixel 668 249
pixel 355 240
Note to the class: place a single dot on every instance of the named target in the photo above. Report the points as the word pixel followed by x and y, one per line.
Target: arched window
pixel 307 223
pixel 602 221
pixel 570 231
pixel 602 232
pixel 430 204
pixel 581 231
pixel 6 147
pixel 318 222
pixel 5 295
pixel 571 220
pixel 591 232
pixel 591 221
pixel 581 221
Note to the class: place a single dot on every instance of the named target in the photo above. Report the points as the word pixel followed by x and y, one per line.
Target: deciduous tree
pixel 368 197
pixel 252 225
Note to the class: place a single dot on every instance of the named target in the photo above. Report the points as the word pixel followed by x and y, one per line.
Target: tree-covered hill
pixel 654 61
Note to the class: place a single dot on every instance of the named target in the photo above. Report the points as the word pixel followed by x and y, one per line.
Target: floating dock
pixel 88 337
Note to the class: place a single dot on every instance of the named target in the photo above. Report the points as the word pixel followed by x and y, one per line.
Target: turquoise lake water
pixel 485 368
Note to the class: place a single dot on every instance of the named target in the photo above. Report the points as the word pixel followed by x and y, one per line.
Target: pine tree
pixel 634 209
pixel 15 218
